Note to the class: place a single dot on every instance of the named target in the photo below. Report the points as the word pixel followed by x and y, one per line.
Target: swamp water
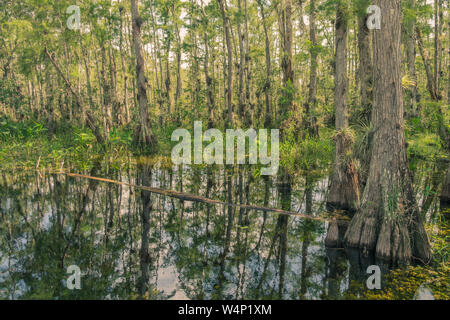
pixel 130 243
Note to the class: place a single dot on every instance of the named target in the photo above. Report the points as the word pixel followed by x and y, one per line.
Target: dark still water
pixel 130 243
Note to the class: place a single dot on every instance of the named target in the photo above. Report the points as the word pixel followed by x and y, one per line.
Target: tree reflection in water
pixel 134 244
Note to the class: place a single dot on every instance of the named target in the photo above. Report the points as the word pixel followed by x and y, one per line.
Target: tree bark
pixel 124 71
pixel 431 85
pixel 286 57
pixel 365 62
pixel 208 80
pixel 312 92
pixel 268 83
pixel 241 97
pixel 365 76
pixel 229 90
pixel 145 258
pixel 388 220
pixel 411 59
pixel 344 188
pixel 144 134
pixel 178 54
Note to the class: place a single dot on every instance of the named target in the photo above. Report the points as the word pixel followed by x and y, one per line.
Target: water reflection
pixel 134 244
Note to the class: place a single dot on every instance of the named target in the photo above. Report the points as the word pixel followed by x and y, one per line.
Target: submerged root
pixel 393 242
pixel 420 243
pixel 336 232
pixel 332 239
pixel 362 231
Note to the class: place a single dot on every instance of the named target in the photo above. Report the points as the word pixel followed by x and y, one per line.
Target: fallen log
pixel 190 197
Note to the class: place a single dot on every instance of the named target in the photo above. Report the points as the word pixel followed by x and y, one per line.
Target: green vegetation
pixel 403 283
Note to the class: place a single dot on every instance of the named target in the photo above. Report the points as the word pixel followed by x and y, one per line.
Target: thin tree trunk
pixel 248 70
pixel 208 80
pixel 178 54
pixel 124 71
pixel 229 90
pixel 344 188
pixel 311 102
pixel 241 98
pixel 286 57
pixel 106 97
pixel 444 132
pixel 437 43
pixel 268 83
pixel 411 59
pixel 431 85
pixel 167 81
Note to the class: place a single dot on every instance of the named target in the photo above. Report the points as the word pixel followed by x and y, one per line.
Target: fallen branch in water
pixel 190 197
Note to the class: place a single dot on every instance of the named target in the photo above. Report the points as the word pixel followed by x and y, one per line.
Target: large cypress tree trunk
pixel 388 220
pixel 344 189
pixel 144 134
